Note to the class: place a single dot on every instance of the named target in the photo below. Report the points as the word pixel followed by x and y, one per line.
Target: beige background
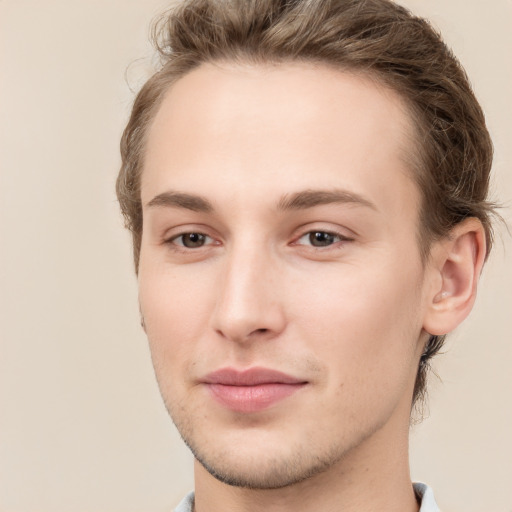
pixel 82 427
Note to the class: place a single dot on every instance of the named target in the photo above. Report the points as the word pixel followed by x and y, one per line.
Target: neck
pixel 372 476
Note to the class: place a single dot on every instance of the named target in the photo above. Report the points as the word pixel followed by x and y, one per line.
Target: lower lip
pixel 252 398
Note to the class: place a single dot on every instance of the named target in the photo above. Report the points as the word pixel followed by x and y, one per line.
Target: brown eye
pixel 191 240
pixel 322 238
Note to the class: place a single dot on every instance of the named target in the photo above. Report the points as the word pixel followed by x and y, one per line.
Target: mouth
pixel 251 390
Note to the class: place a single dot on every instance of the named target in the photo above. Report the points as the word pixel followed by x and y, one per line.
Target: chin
pixel 260 458
pixel 270 451
pixel 268 469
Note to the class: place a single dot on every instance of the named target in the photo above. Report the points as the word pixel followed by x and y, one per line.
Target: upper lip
pixel 250 377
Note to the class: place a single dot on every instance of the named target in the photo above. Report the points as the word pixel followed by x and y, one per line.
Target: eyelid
pixel 173 239
pixel 171 235
pixel 339 239
pixel 182 229
pixel 345 234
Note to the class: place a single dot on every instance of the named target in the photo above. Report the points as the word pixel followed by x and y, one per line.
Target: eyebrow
pixel 297 201
pixel 181 200
pixel 311 198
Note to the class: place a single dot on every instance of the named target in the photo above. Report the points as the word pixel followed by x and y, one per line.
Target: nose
pixel 249 305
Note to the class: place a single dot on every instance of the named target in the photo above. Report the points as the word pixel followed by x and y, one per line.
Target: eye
pixel 191 240
pixel 320 238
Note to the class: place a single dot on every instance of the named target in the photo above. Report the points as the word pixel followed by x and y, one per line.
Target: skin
pixel 229 150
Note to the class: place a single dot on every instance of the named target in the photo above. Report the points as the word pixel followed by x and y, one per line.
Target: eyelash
pixel 182 246
pixel 325 234
pixel 329 235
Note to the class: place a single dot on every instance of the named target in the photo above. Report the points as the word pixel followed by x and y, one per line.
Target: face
pixel 280 277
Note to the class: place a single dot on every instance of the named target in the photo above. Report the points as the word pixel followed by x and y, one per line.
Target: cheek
pixel 176 313
pixel 365 324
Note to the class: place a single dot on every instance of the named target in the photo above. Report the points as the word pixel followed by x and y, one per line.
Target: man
pixel 306 187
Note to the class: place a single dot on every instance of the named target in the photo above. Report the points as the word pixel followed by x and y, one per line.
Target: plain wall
pixel 82 425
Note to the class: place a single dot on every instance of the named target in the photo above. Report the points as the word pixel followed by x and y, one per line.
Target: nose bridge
pixel 247 304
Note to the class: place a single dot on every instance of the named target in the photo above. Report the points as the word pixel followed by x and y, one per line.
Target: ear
pixel 455 266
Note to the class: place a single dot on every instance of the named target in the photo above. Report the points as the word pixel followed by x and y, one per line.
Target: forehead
pixel 259 131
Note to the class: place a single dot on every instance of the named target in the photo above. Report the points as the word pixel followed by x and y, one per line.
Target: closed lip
pixel 251 390
pixel 250 377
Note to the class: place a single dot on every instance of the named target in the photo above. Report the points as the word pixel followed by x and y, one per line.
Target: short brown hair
pixel 376 37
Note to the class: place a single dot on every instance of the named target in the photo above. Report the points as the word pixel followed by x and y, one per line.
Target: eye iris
pixel 192 240
pixel 321 238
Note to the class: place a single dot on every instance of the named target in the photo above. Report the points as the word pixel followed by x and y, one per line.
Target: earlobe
pixel 457 262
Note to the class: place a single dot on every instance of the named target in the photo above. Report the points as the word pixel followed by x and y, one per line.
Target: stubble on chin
pixel 257 467
pixel 272 473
